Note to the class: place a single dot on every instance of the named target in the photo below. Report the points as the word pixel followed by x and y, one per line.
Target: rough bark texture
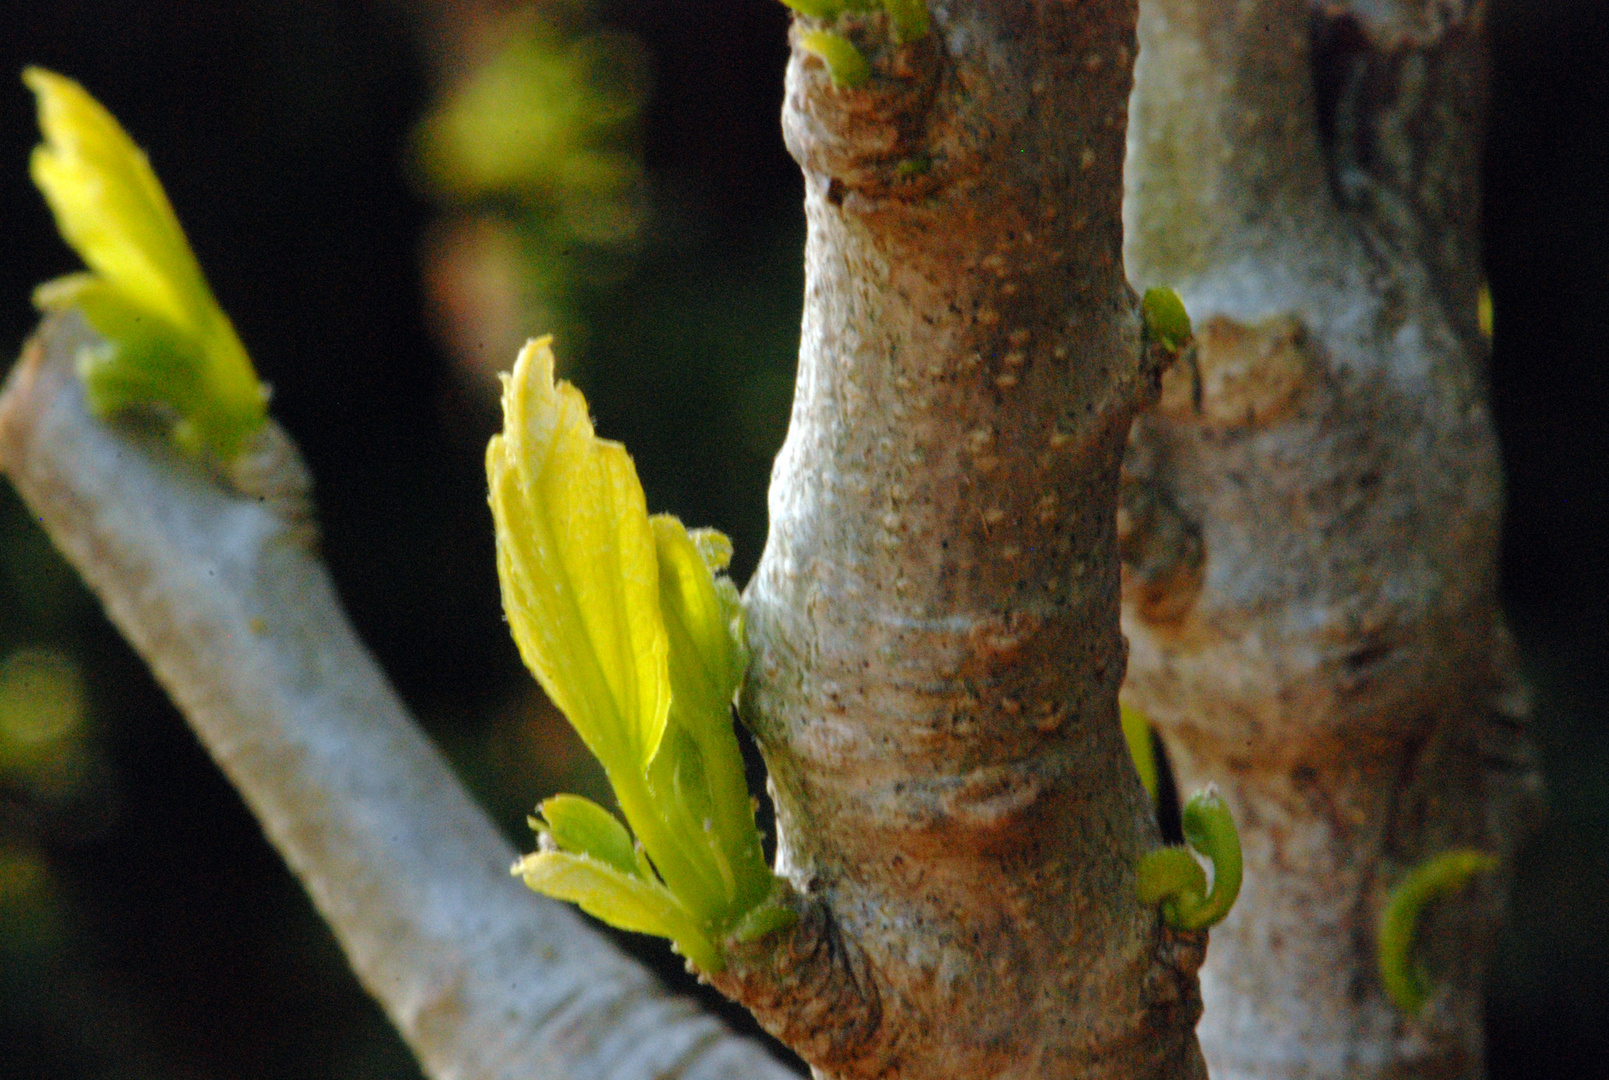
pixel 934 618
pixel 1310 517
pixel 222 593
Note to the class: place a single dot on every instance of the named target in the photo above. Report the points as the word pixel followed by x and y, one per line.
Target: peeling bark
pixel 218 587
pixel 1311 515
pixel 934 619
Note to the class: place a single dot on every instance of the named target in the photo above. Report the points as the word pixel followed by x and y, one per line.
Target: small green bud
pixel 1167 324
pixel 845 64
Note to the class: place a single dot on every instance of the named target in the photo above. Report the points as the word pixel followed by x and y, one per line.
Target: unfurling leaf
pixel 167 341
pixel 575 555
pixel 582 827
pixel 622 900
pixel 626 625
pixel 707 659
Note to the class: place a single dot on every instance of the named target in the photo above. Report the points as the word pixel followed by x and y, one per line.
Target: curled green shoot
pixel 1403 977
pixel 1172 877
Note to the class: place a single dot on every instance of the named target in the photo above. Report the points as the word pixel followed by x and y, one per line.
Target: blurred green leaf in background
pixel 534 155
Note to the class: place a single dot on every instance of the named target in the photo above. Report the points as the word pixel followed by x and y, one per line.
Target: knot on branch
pixel 910 129
pixel 270 469
pixel 1171 994
pixel 1241 376
pixel 812 988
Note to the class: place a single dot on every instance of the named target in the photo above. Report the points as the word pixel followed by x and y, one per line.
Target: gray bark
pixel 934 618
pixel 220 589
pixel 1311 515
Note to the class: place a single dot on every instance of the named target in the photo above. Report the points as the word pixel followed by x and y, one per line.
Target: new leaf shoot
pixel 168 343
pixel 624 622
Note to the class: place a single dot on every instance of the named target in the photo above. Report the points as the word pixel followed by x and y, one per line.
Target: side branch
pixel 224 597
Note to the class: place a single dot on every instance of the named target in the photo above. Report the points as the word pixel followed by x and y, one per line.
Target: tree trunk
pixel 1310 516
pixel 935 616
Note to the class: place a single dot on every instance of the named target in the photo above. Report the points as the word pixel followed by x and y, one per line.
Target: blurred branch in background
pixel 46 763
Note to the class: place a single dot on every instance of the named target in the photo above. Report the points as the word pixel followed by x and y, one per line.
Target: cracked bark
pixel 1310 516
pixel 934 618
pixel 220 589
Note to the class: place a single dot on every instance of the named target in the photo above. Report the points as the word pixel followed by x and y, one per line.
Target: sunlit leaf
pixel 706 662
pixel 714 547
pixel 576 558
pixel 635 637
pixel 169 342
pixel 619 899
pixel 582 827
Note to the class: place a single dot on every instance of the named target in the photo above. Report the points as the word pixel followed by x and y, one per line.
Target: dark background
pixel 158 935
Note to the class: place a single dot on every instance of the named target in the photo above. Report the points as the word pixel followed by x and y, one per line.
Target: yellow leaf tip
pixel 169 342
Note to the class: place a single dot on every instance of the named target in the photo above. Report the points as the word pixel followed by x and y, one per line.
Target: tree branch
pixel 934 618
pixel 1311 516
pixel 222 593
